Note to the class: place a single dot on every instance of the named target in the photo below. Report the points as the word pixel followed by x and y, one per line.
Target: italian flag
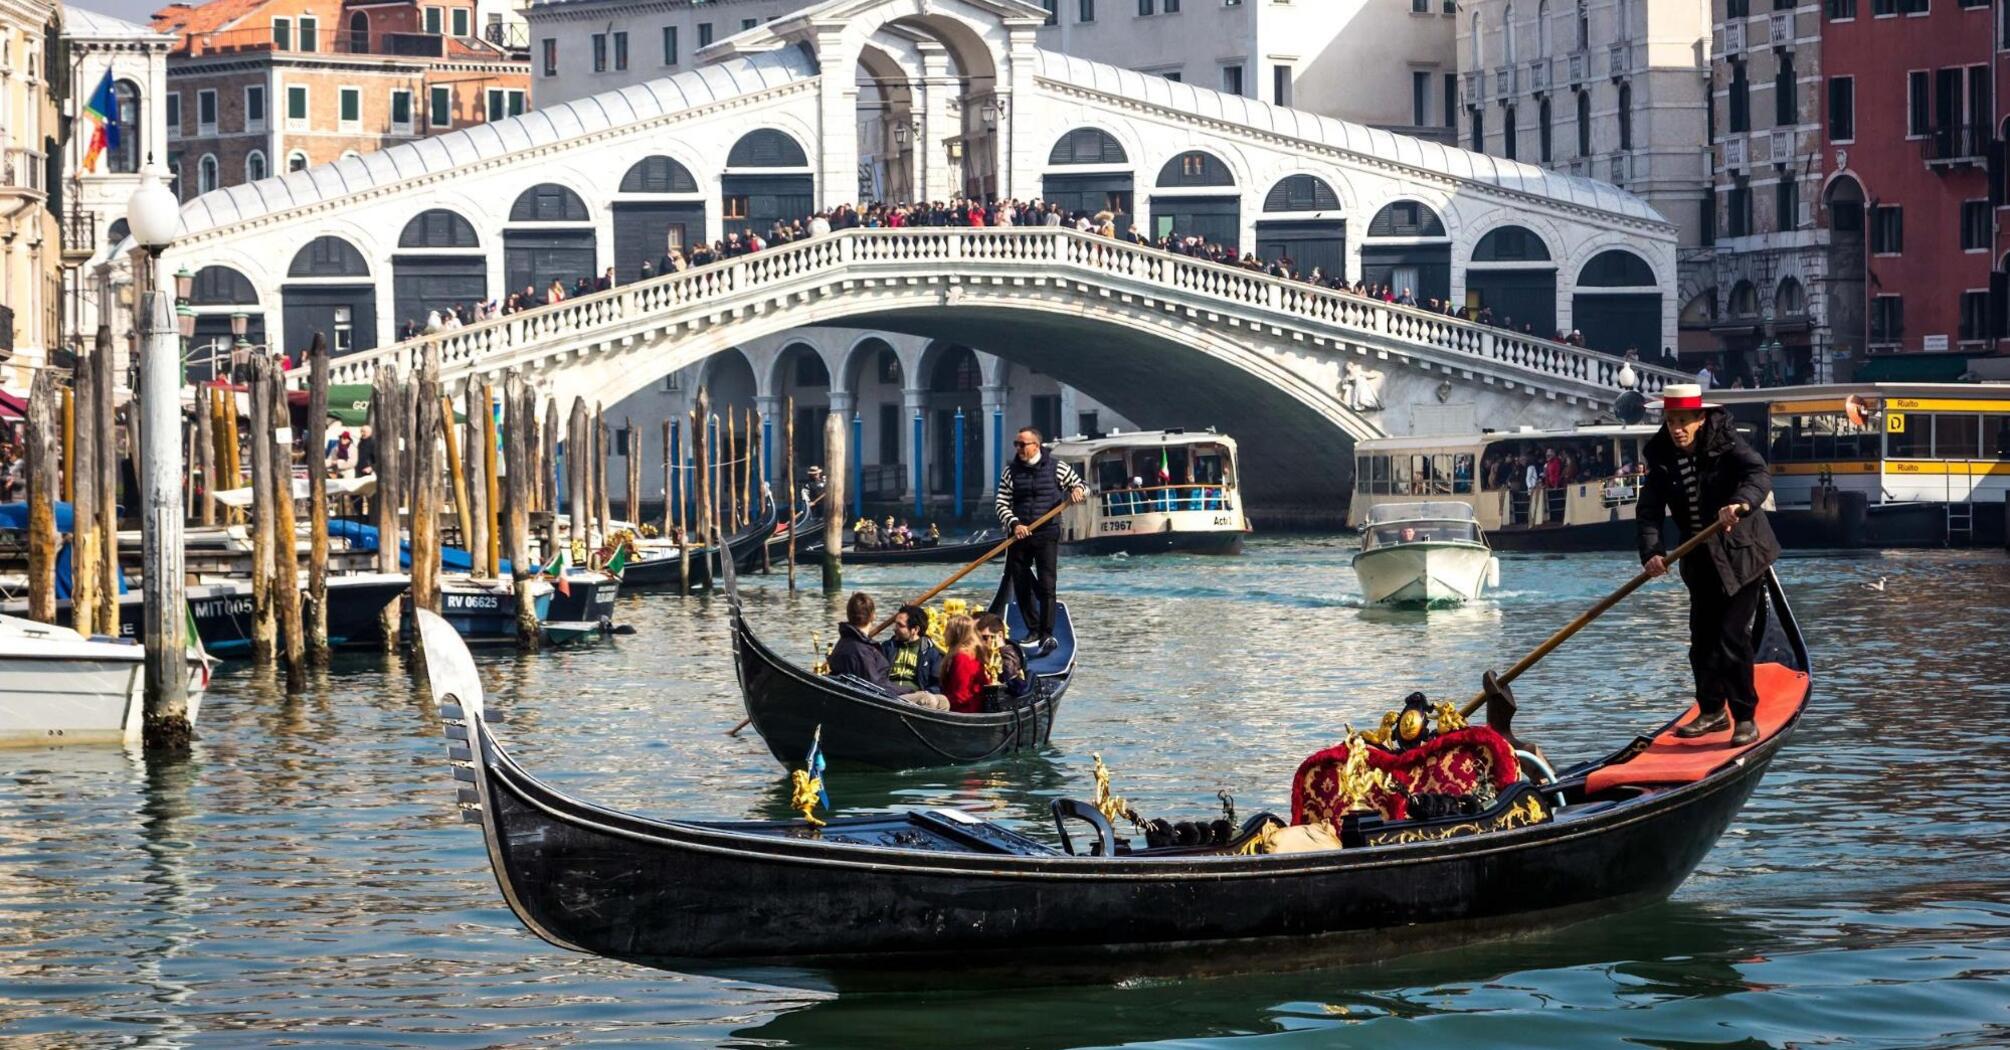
pixel 1165 467
pixel 556 570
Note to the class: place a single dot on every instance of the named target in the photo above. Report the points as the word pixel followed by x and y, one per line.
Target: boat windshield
pixel 1443 510
pixel 1413 531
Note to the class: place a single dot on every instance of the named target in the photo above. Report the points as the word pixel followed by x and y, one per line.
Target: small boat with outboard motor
pixel 1430 553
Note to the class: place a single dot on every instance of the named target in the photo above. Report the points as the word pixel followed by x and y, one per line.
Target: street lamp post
pixel 154 216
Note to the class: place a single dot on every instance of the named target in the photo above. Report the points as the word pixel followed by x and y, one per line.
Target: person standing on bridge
pixel 1032 485
pixel 1701 473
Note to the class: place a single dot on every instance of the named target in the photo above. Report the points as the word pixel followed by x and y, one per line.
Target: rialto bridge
pixel 772 127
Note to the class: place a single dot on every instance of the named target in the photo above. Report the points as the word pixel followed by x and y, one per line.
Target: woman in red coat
pixel 962 672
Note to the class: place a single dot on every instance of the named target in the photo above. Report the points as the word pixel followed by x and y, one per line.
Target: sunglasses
pixel 1026 444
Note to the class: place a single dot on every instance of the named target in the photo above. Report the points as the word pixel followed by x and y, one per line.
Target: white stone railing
pixel 1039 252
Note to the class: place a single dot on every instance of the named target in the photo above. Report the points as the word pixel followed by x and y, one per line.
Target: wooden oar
pixel 946 584
pixel 1535 655
pixel 972 567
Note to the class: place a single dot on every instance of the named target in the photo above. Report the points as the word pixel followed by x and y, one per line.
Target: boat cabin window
pixel 1423 532
pixel 1129 481
pixel 1947 435
pixel 1559 460
pixel 1820 437
pixel 1414 474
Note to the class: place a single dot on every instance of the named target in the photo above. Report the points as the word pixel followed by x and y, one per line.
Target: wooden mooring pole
pixel 317 502
pixel 44 485
pixel 264 514
pixel 835 477
pixel 520 436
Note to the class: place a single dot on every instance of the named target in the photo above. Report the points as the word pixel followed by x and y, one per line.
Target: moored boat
pixel 922 553
pixel 1430 553
pixel 58 687
pixel 223 612
pixel 931 889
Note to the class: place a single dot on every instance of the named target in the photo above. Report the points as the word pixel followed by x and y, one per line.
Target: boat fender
pixel 1493 574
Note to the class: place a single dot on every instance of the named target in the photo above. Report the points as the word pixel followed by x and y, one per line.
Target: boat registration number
pixel 235 606
pixel 605 595
pixel 1223 520
pixel 1116 526
pixel 474 601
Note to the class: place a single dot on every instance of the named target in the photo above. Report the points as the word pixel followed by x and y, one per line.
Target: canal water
pixel 303 879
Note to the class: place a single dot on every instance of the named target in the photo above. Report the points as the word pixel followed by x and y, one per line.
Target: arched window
pixel 658 174
pixel 328 257
pixel 1791 300
pixel 438 228
pixel 1622 19
pixel 221 286
pixel 296 161
pixel 1616 268
pixel 1543 115
pixel 1087 146
pixel 1511 244
pixel 359 34
pixel 1507 35
pixel 1507 133
pixel 1625 116
pixel 1406 219
pixel 254 166
pixel 205 173
pixel 125 160
pixel 548 202
pixel 767 148
pixel 1301 193
pixel 1195 168
pixel 1583 26
pixel 1478 38
pixel 1744 300
pixel 1543 37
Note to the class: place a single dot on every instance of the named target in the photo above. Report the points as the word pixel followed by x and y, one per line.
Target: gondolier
pixel 1032 485
pixel 1700 472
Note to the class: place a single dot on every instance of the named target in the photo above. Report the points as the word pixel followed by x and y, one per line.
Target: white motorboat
pixel 1424 554
pixel 58 687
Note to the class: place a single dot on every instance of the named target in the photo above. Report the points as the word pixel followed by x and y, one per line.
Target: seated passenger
pixel 1011 673
pixel 1408 535
pixel 914 664
pixel 962 672
pixel 854 654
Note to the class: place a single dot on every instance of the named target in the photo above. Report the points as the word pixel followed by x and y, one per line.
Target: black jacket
pixel 1027 491
pixel 927 664
pixel 854 655
pixel 1729 472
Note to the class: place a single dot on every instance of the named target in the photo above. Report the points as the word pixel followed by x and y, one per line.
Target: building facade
pixel 95 193
pixel 1607 89
pixel 1910 123
pixel 257 88
pixel 33 86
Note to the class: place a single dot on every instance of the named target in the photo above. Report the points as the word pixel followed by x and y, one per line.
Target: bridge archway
pixel 1302 221
pixel 767 180
pixel 873 375
pixel 659 209
pixel 1513 274
pixel 1195 195
pixel 218 293
pixel 1089 171
pixel 800 371
pixel 954 381
pixel 1617 304
pixel 550 238
pixel 1407 247
pixel 439 266
pixel 328 290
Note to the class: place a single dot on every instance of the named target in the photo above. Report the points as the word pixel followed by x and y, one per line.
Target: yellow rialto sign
pixel 1894 422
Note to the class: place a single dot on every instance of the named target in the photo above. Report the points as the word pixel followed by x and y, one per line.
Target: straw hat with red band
pixel 1679 397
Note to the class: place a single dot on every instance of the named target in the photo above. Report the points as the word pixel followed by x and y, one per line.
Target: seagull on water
pixel 1879 585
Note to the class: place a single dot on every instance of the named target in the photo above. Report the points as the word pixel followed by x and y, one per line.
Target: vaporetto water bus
pixel 1584 502
pixel 1155 491
pixel 1882 464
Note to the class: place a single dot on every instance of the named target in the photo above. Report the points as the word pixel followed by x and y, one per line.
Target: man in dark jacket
pixel 1032 485
pixel 1701 473
pixel 854 654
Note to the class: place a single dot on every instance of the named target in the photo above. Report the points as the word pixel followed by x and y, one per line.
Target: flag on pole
pixel 556 570
pixel 103 108
pixel 1165 467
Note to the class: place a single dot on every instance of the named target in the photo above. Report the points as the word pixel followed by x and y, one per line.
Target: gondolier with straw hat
pixel 1702 474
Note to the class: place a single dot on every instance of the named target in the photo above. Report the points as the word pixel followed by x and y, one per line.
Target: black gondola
pixel 941 892
pixel 864 727
pixel 664 567
pixel 920 554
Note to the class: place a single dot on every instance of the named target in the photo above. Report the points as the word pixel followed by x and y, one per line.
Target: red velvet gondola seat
pixel 1453 763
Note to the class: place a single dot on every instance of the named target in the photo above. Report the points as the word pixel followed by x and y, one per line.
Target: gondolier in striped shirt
pixel 1701 473
pixel 1033 484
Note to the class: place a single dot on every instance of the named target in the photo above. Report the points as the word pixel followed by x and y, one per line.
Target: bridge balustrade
pixel 1043 252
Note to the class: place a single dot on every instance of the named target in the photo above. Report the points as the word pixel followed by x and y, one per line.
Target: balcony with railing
pixel 1504 81
pixel 1784 141
pixel 1734 37
pixel 1736 156
pixel 1580 66
pixel 1955 145
pixel 80 233
pixel 1475 86
pixel 1621 167
pixel 1781 24
pixel 292 40
pixel 1538 75
pixel 1620 60
pixel 22 172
